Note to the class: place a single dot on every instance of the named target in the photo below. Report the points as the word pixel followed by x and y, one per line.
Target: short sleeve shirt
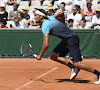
pixel 13 15
pixel 95 19
pixel 56 28
pixel 76 18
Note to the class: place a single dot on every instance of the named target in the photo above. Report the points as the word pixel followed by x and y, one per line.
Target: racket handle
pixel 34 55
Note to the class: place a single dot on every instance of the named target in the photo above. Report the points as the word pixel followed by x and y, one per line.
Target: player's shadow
pixel 74 81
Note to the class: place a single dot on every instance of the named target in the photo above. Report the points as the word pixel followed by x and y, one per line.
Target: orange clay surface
pixel 30 74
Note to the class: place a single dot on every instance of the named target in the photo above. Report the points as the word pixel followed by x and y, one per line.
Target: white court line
pixel 36 78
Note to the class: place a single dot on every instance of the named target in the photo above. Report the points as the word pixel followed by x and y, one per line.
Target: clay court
pixel 30 74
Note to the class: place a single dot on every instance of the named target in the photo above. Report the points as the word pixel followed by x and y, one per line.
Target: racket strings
pixel 26 49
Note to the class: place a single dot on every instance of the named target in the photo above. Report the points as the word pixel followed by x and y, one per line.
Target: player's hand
pixel 38 57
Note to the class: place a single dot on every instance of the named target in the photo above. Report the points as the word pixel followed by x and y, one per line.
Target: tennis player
pixel 69 43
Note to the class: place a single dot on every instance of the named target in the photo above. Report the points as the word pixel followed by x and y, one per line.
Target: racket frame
pixel 33 54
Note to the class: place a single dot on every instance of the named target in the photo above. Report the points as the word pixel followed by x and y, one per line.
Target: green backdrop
pixel 11 40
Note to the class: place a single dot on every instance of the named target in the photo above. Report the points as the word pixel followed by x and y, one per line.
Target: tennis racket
pixel 26 50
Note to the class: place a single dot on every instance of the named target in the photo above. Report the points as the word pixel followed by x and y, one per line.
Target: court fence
pixel 11 40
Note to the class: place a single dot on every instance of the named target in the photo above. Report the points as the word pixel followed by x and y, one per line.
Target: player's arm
pixel 44 46
pixel 61 16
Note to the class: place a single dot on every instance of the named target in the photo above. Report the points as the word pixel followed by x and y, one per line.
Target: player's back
pixel 56 28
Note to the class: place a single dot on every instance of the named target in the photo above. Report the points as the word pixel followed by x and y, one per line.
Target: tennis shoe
pixel 74 73
pixel 98 80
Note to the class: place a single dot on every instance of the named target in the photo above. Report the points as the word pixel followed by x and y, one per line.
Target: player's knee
pixel 53 56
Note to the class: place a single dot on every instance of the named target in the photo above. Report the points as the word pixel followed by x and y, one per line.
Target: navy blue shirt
pixel 56 28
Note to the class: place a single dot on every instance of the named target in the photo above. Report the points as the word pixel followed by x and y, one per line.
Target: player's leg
pixel 85 67
pixel 75 53
pixel 88 68
pixel 74 71
pixel 74 50
pixel 58 54
pixel 54 56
